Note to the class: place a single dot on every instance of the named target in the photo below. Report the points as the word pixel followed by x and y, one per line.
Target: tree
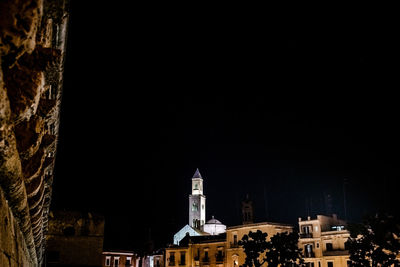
pixel 281 249
pixel 375 241
pixel 254 244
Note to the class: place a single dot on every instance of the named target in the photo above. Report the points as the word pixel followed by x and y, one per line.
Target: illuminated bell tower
pixel 197 202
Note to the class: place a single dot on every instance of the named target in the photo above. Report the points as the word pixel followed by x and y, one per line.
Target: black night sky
pixel 283 109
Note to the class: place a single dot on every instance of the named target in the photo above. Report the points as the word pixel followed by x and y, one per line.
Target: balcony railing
pixel 234 245
pixel 205 259
pixel 309 254
pixel 335 252
pixel 219 259
pixel 306 235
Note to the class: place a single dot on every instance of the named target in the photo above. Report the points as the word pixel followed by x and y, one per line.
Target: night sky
pixel 283 109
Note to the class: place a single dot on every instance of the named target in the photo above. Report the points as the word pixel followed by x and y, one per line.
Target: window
pixel 235 239
pixel 194 206
pixel 172 258
pixel 116 261
pixel 317 244
pixel 319 264
pixel 197 256
pixel 219 256
pixel 128 261
pixel 108 260
pixel 206 259
pixel 330 263
pixel 306 229
pixel 308 251
pixel 346 245
pixel 329 247
pixel 348 263
pixel 183 258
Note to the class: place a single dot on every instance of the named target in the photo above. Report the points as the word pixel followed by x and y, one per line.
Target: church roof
pixel 197 174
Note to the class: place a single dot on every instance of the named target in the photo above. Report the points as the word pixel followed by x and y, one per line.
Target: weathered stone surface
pixel 77 238
pixel 32 51
pixel 13 250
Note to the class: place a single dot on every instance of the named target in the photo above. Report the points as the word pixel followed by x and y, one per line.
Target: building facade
pixel 207 251
pixel 120 259
pixel 156 259
pixel 75 239
pixel 218 250
pixel 235 255
pixel 323 241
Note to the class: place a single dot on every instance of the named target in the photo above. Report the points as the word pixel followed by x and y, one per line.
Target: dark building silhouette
pixel 247 211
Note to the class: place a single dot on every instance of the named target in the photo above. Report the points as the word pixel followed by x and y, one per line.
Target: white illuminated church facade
pixel 198 225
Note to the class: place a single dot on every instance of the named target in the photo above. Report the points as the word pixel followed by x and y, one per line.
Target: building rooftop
pixel 260 223
pixel 213 221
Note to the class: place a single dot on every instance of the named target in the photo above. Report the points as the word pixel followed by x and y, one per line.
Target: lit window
pixel 108 261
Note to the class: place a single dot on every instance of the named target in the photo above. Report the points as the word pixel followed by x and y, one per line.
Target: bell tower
pixel 197 202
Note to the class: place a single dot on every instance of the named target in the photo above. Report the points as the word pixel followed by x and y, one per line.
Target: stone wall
pixel 13 249
pixel 32 53
pixel 75 239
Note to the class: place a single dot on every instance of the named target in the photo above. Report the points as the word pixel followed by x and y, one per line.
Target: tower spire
pixel 197 174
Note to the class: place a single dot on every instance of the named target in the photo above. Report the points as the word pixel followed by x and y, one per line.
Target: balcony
pixel 335 252
pixel 234 245
pixel 309 254
pixel 306 235
pixel 219 260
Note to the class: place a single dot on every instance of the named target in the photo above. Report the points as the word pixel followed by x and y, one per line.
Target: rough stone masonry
pixel 32 53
